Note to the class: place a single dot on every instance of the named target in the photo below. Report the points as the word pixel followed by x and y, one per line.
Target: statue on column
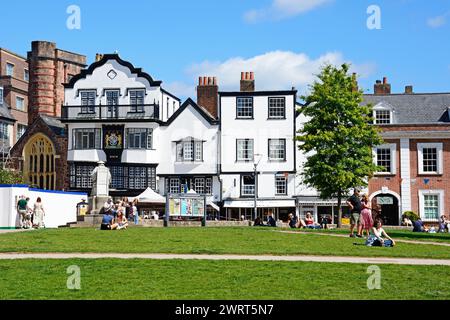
pixel 101 180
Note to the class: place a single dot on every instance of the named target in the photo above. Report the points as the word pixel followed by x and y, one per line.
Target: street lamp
pixel 256 159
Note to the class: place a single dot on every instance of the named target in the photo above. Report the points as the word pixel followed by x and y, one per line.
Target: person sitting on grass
pixel 108 222
pixel 310 223
pixel 271 221
pixel 444 225
pixel 258 222
pixel 379 238
pixel 419 226
pixel 292 221
pixel 122 221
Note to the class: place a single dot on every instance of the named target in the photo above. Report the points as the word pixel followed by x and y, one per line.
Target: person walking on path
pixel 23 209
pixel 354 202
pixel 366 215
pixel 39 213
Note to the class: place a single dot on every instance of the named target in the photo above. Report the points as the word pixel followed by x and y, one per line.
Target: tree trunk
pixel 339 224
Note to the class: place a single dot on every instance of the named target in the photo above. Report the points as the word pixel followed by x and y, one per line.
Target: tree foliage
pixel 338 137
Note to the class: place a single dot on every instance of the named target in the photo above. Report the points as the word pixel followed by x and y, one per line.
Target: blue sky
pixel 283 41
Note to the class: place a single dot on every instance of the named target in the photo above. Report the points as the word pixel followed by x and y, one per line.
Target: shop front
pixel 236 210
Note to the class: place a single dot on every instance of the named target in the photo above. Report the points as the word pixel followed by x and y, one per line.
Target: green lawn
pixel 396 234
pixel 194 279
pixel 205 241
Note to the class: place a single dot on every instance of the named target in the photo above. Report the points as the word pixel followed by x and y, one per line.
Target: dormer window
pixel 383 117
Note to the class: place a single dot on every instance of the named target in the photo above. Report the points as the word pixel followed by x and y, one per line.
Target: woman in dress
pixel 366 215
pixel 39 213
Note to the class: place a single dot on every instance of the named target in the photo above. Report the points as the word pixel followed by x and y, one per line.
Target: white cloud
pixel 281 9
pixel 276 70
pixel 439 21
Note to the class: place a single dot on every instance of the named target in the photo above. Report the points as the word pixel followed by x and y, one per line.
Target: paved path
pixel 157 256
pixel 445 244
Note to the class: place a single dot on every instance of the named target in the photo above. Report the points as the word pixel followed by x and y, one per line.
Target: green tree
pixel 10 177
pixel 338 137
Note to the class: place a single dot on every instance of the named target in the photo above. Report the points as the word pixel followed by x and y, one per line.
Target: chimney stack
pixel 98 57
pixel 409 90
pixel 207 94
pixel 247 82
pixel 381 88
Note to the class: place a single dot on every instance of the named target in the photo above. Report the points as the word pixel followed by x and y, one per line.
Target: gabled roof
pixel 199 109
pixel 85 72
pixel 417 108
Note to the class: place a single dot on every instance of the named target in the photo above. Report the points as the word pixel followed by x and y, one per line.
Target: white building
pixel 114 113
pixel 257 130
pixel 118 114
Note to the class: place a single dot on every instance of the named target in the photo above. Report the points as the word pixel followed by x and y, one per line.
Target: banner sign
pixel 385 200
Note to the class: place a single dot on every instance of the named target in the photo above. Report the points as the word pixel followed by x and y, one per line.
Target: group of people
pixel 30 217
pixel 361 218
pixel 270 221
pixel 116 215
pixel 308 222
pixel 419 226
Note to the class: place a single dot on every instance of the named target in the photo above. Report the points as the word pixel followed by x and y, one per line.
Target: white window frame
pixel 1 95
pixel 441 209
pixel 241 150
pixel 277 176
pixel 22 108
pixel 26 75
pixel 439 149
pixel 13 66
pixel 383 107
pixel 393 148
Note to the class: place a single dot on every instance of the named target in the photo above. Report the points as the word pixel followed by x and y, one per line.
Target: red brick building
pixel 41 153
pixel 416 153
pixel 14 77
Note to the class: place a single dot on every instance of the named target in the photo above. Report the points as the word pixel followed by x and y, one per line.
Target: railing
pixel 116 112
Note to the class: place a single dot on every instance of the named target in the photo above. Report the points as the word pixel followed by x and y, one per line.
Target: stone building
pixel 41 152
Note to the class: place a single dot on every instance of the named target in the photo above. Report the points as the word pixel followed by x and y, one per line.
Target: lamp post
pixel 255 175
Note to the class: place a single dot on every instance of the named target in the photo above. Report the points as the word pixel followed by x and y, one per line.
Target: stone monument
pixel 101 179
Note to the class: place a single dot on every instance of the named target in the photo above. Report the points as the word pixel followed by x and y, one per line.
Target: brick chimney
pixel 381 88
pixel 409 90
pixel 247 82
pixel 207 94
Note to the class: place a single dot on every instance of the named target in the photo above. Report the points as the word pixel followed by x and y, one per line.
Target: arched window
pixel 39 152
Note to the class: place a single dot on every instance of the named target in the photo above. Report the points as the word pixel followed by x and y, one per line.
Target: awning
pixel 314 200
pixel 213 205
pixel 288 203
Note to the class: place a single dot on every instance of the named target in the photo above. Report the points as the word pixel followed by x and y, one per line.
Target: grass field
pixel 194 279
pixel 252 241
pixel 399 234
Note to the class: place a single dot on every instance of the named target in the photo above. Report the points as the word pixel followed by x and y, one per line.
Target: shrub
pixel 10 177
pixel 411 215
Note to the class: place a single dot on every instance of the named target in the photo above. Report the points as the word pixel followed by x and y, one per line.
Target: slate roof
pixel 417 108
pixel 5 113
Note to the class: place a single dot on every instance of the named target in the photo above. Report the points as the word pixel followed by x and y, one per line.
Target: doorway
pixel 388 209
